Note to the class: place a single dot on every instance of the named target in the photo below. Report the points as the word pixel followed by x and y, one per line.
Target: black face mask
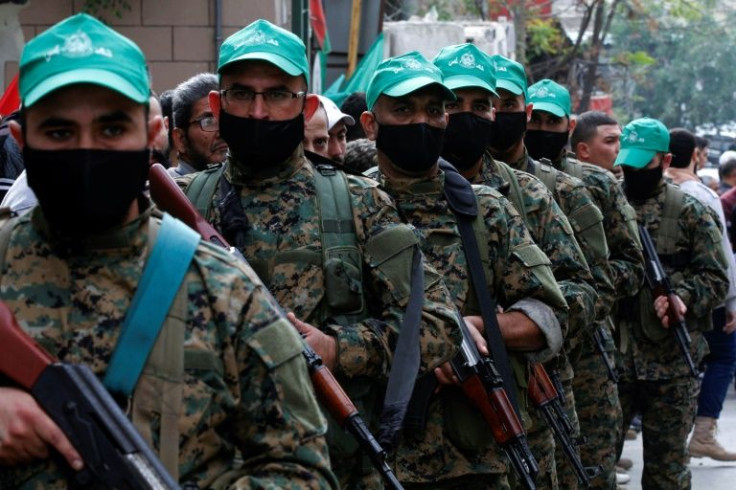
pixel 85 191
pixel 545 144
pixel 411 147
pixel 507 130
pixel 641 184
pixel 466 138
pixel 259 143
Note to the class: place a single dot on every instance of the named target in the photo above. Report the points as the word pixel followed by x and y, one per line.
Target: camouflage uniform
pixel 551 230
pixel 455 444
pixel 654 377
pixel 245 385
pixel 281 213
pixel 596 395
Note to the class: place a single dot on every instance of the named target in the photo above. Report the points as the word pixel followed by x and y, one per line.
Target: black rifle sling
pixel 461 198
pixel 405 365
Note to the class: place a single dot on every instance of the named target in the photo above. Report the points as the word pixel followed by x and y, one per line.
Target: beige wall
pixel 177 36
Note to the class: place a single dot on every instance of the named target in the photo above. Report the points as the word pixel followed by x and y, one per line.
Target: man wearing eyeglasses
pixel 196 133
pixel 330 247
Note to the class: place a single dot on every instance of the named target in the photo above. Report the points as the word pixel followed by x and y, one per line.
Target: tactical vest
pixel 341 259
pixel 342 264
pixel 159 390
pixel 665 239
pixel 586 221
pixel 576 170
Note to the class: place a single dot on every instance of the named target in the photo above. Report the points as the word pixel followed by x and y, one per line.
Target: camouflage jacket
pixel 619 222
pixel 456 441
pixel 281 212
pixel 702 284
pixel 252 394
pixel 552 231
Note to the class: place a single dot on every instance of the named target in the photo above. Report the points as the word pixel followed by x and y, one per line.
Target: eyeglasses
pixel 206 123
pixel 243 97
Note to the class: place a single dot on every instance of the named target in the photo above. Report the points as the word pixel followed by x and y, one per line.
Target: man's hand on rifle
pixel 444 373
pixel 324 345
pixel 662 305
pixel 26 432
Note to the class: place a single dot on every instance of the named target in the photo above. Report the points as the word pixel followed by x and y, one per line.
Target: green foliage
pixel 99 8
pixel 544 37
pixel 676 64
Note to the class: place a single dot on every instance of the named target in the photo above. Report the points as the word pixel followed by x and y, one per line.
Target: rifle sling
pixel 462 201
pixel 405 365
pixel 163 273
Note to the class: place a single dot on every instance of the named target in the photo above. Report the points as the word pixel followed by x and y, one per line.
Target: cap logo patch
pixel 412 64
pixel 633 137
pixel 78 45
pixel 258 37
pixel 467 60
pixel 544 92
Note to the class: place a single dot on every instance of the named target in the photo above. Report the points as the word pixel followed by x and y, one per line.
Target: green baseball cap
pixel 264 41
pixel 551 97
pixel 510 75
pixel 81 49
pixel 403 75
pixel 641 139
pixel 464 66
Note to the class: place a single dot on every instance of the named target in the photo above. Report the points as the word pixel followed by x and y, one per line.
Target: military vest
pixel 342 264
pixel 665 239
pixel 159 390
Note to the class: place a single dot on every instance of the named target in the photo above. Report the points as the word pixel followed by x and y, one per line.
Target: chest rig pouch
pixel 586 221
pixel 665 239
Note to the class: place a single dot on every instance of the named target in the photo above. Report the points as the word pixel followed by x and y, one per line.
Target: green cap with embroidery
pixel 81 49
pixel 264 41
pixel 403 75
pixel 466 66
pixel 551 97
pixel 641 139
pixel 510 75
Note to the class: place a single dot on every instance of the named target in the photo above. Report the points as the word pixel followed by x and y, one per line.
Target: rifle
pixel 660 284
pixel 546 398
pixel 598 339
pixel 169 197
pixel 115 455
pixel 483 385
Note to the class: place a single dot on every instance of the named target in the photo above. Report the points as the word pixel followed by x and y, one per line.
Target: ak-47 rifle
pixel 170 198
pixel 545 397
pixel 660 284
pixel 483 386
pixel 115 456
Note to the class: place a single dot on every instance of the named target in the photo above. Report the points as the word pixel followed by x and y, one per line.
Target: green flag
pixel 362 75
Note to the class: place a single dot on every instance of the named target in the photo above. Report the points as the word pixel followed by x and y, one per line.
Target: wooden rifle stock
pixel 545 397
pixel 169 197
pixel 114 454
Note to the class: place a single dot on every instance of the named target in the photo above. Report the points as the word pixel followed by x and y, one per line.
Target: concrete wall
pixel 177 36
pixel 429 37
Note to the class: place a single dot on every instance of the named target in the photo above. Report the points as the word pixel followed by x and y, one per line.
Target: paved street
pixel 707 474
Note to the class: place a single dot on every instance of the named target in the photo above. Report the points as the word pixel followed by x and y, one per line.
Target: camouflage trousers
pixel 542 446
pixel 493 481
pixel 565 472
pixel 668 412
pixel 599 413
pixel 360 476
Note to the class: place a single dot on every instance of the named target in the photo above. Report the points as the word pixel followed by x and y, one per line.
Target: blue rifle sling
pixel 164 271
